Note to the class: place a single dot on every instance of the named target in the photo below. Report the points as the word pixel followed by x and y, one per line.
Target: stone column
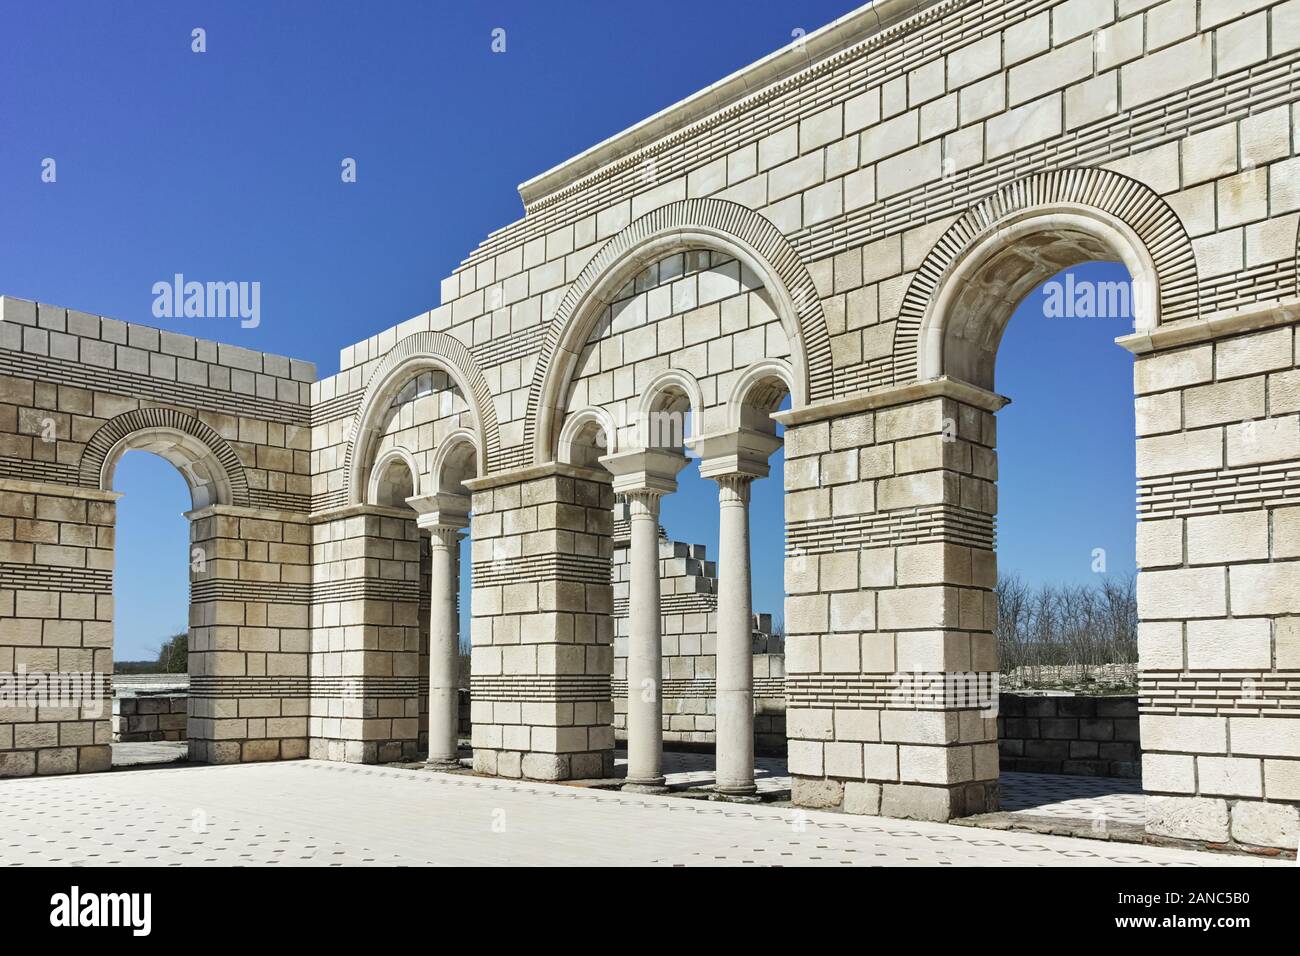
pixel 643 477
pixel 365 664
pixel 734 460
pixel 443 647
pixel 250 635
pixel 645 742
pixel 735 732
pixel 443 516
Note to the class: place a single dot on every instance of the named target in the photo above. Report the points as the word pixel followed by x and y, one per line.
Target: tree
pixel 174 655
pixel 1077 626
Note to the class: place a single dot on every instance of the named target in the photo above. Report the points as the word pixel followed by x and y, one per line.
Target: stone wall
pixel 1069 734
pixel 139 719
pixel 77 391
pixel 1219 547
pixel 542 630
pixel 56 617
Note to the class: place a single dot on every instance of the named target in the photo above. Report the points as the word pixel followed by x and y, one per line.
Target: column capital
pixel 645 471
pixel 740 452
pixel 441 510
pixel 733 487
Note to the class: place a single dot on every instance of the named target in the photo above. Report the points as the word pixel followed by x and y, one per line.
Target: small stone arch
pixel 757 392
pixel 454 461
pixel 376 493
pixel 413 354
pixel 651 404
pixel 573 446
pixel 208 463
pixel 1125 209
pixel 720 225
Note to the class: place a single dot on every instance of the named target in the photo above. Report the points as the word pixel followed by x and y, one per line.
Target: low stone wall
pixel 1069 734
pixel 141 719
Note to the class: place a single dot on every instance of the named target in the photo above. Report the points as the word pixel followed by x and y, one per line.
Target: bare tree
pixel 1065 626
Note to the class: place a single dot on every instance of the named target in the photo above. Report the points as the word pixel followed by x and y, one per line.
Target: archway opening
pixel 1041 309
pixel 150 605
pixel 414 457
pixel 682 367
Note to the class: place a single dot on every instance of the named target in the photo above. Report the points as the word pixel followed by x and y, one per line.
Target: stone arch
pixel 454 460
pixel 758 391
pixel 654 399
pixel 208 463
pixel 574 448
pixel 375 492
pixel 1101 213
pixel 414 354
pixel 686 224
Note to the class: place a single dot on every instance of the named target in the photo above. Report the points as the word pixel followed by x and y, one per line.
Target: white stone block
pixel 1266 824
pixel 1188 818
pixel 1237 536
pixel 1182 734
pixel 1168 773
pixel 1229 644
pixel 1229 776
pixel 1160 645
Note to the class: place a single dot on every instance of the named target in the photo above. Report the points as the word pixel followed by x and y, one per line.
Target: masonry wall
pixel 75 391
pixel 149 719
pixel 1069 734
pixel 56 618
pixel 542 656
pixel 1219 590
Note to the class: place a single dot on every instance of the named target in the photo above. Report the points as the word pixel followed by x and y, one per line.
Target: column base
pixel 727 796
pixel 652 785
pixel 743 790
pixel 443 764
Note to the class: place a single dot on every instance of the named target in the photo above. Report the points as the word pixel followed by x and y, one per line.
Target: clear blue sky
pixel 225 165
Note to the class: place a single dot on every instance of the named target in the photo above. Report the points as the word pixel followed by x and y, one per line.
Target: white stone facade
pixel 871 202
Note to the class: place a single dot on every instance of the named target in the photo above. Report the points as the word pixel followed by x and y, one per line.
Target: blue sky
pixel 225 165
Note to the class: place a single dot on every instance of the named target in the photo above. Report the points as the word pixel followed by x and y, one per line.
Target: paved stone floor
pixel 312 813
pixel 149 752
pixel 1112 799
pixel 1095 799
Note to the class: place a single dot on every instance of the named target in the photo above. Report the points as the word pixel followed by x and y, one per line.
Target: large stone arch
pixel 691 223
pixel 1095 205
pixel 209 464
pixel 413 354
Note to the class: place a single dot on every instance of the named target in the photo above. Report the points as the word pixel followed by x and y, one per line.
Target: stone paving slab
pixel 137 754
pixel 313 813
pixel 1102 799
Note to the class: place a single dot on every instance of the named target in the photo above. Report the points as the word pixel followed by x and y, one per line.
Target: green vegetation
pixel 173 658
